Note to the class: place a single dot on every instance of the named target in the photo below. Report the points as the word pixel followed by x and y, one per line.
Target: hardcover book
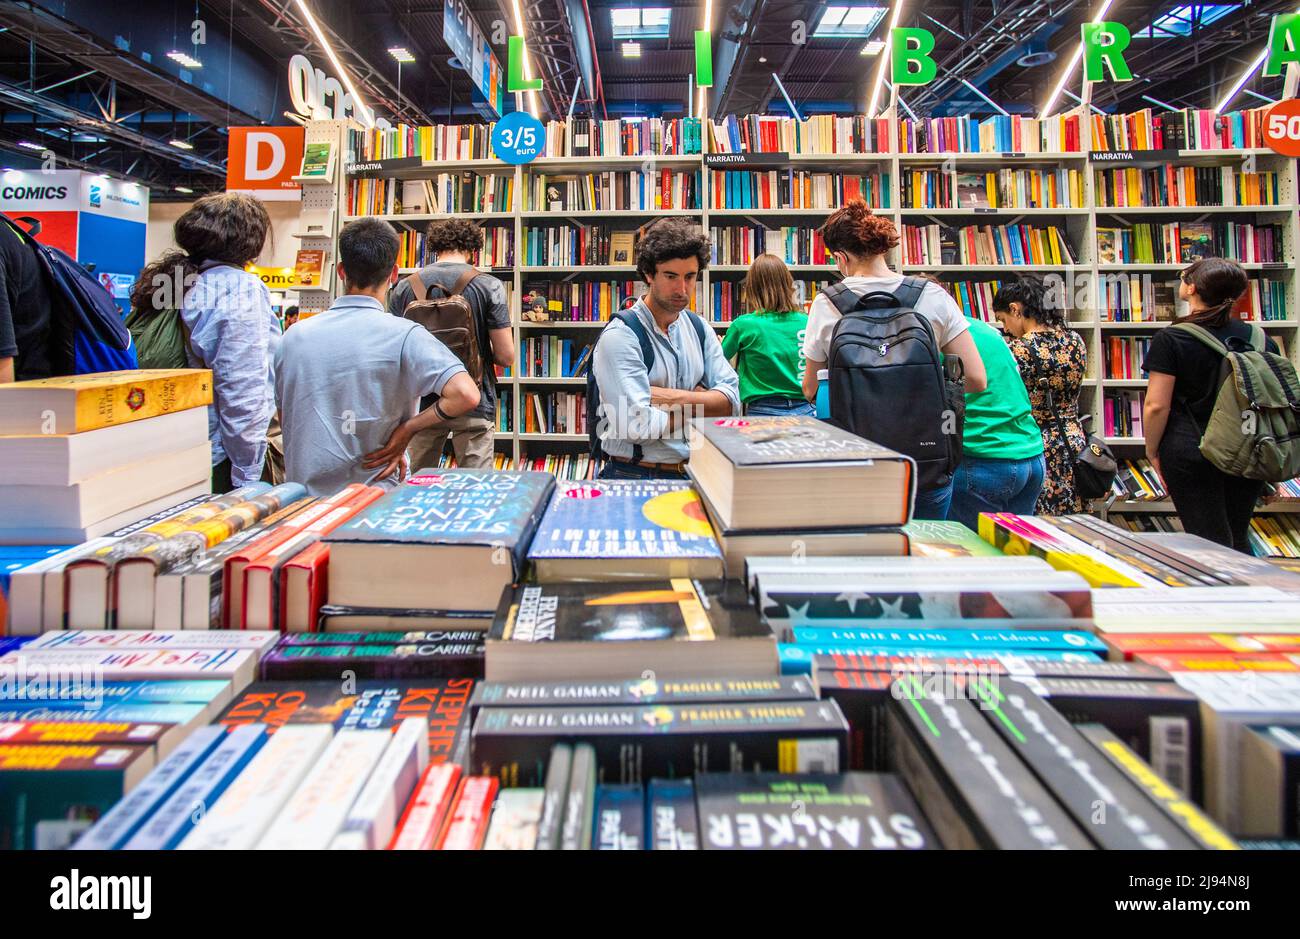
pixel 747 468
pixel 809 812
pixel 678 629
pixel 633 743
pixel 452 542
pixel 624 530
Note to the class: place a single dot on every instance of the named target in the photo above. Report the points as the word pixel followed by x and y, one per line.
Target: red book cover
pixel 259 606
pixel 1223 662
pixel 304 583
pixel 1134 644
pixel 469 819
pixel 422 821
pixel 82 732
pixel 233 575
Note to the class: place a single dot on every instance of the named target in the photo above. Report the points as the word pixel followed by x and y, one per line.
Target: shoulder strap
pixel 908 293
pixel 420 291
pixel 1205 337
pixel 463 281
pixel 844 299
pixel 632 322
pixel 1258 341
pixel 700 328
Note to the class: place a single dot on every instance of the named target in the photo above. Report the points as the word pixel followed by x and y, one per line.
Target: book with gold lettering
pixel 73 404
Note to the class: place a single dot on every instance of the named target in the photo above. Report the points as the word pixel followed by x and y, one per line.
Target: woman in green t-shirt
pixel 767 345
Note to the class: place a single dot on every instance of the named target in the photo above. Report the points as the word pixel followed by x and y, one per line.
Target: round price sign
pixel 1282 127
pixel 518 138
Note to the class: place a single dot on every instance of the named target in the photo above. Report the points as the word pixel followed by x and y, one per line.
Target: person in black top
pixel 1183 386
pixel 27 322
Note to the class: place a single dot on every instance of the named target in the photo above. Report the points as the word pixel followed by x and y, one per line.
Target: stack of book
pixel 85 455
pixel 1138 480
pixel 796 486
pixel 1275 535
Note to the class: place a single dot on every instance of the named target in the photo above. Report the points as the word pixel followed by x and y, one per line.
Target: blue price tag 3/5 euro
pixel 518 138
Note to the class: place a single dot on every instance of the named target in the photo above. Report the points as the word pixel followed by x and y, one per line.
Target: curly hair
pixel 670 239
pixel 453 234
pixel 855 229
pixel 1030 292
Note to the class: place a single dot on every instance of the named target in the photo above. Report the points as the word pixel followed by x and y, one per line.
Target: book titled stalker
pixel 626 529
pixel 448 540
pixel 798 473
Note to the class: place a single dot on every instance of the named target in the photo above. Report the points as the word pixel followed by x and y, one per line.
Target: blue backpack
pixel 629 319
pixel 100 340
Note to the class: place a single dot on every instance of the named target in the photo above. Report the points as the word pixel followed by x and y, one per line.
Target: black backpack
pixel 629 319
pixel 888 381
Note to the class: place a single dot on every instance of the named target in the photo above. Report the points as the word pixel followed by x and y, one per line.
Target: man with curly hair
pixel 644 409
pixel 453 243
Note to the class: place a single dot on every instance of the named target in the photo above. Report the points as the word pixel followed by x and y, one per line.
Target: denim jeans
pixel 986 484
pixel 778 406
pixel 933 503
pixel 613 469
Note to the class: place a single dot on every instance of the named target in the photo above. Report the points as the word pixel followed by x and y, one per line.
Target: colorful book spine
pixel 468 824
pixel 426 813
pixel 1011 640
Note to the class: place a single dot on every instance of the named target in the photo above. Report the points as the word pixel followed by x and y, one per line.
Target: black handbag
pixel 1094 466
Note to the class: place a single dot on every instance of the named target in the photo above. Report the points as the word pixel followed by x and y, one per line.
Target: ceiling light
pixel 632 50
pixel 360 111
pixel 27 144
pixel 184 60
pixel 181 144
pixel 1074 60
pixel 185 189
pixel 762 59
pixel 401 54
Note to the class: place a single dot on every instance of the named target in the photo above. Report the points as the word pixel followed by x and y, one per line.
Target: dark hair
pixel 768 285
pixel 1029 292
pixel 855 229
pixel 368 250
pixel 453 234
pixel 1220 283
pixel 670 239
pixel 224 226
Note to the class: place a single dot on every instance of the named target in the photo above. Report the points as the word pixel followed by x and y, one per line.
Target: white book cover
pixel 27 588
pixel 373 817
pixel 258 641
pixel 1109 596
pixel 759 566
pixel 314 814
pixel 237 665
pixel 515 818
pixel 247 809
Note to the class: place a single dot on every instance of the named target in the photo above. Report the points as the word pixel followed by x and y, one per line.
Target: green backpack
pixel 1254 429
pixel 160 337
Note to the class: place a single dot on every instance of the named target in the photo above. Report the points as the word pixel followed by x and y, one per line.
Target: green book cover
pixel 937 539
pixel 316 160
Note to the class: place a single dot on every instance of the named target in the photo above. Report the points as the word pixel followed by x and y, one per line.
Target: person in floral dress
pixel 1052 357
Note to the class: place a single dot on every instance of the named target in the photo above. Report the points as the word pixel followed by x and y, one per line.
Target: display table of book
pixel 481 659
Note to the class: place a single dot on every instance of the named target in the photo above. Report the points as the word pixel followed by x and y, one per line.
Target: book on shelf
pixel 318 161
pixel 573 245
pixel 450 542
pixel 1183 242
pixel 587 301
pixel 924 188
pixel 997 134
pixel 1131 298
pixel 309 269
pixel 1172 185
pixel 552 356
pixel 614 191
pixel 1121 413
pixel 824 134
pixel 986 244
pixel 624 530
pixel 585 137
pixel 449 143
pixel 741 244
pixel 679 629
pixel 621 245
pixel 554 412
pixel 789 188
pixel 1123 356
pixel 1187 129
pixel 746 469
pixel 1137 480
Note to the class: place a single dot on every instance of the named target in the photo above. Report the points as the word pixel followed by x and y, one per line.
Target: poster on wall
pixel 49 200
pixel 262 162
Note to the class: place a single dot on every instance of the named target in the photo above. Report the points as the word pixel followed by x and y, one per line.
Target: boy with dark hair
pixel 643 408
pixel 452 243
pixel 347 380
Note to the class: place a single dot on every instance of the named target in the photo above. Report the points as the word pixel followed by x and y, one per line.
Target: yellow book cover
pixel 73 404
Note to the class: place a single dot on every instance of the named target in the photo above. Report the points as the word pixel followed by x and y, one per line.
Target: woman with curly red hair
pixel 860 242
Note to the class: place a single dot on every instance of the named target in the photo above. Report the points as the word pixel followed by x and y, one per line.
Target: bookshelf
pixel 1085 278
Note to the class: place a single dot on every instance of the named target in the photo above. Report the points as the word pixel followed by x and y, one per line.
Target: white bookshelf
pixel 1078 223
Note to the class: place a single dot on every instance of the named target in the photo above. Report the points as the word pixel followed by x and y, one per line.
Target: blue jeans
pixel 779 406
pixel 932 503
pixel 986 484
pixel 613 469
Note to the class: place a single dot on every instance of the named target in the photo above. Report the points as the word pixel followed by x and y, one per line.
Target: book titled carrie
pixel 797 472
pixel 447 540
pixel 631 529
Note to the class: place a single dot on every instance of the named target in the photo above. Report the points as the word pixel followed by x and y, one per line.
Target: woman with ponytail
pixel 1184 383
pixel 225 321
pixel 860 242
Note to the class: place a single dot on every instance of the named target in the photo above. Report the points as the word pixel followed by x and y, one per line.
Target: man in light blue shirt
pixel 349 380
pixel 645 410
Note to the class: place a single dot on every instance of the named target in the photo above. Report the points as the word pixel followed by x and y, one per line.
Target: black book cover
pixel 862 696
pixel 363 705
pixel 671 823
pixel 620 819
pixel 633 743
pixel 1158 719
pixel 457 655
pixel 688 610
pixel 973 789
pixel 809 812
pixel 1105 805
